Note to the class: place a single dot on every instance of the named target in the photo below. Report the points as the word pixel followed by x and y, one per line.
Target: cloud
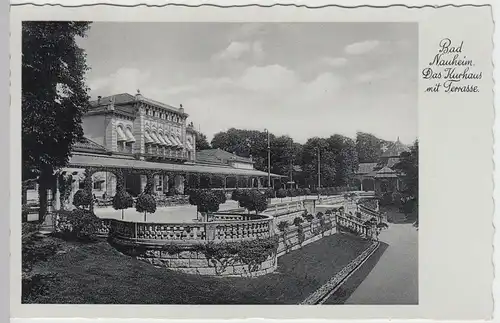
pixel 335 61
pixel 268 78
pixel 123 80
pixel 237 50
pixel 375 75
pixel 361 47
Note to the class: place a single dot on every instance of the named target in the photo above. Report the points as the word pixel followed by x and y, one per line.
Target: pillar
pixel 57 198
pixel 361 184
pixel 179 183
pixel 144 181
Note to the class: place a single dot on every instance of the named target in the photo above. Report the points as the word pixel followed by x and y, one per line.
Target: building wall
pixel 94 127
pixel 241 165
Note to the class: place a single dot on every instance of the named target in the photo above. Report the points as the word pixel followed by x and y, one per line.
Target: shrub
pixel 309 217
pixel 24 213
pixel 78 224
pixel 307 191
pixel 236 194
pixel 145 203
pixel 298 221
pixel 283 225
pixel 269 193
pixel 328 212
pixel 122 200
pixel 221 196
pixel 82 199
pixel 320 215
pixel 386 199
pixel 281 193
pixel 207 201
pixel 254 201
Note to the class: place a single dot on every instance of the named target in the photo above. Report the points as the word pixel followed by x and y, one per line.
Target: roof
pixel 395 149
pixel 124 98
pixel 87 144
pixel 219 156
pixel 386 170
pixel 365 168
pixel 82 160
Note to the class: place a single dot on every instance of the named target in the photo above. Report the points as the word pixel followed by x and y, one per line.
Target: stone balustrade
pixel 352 225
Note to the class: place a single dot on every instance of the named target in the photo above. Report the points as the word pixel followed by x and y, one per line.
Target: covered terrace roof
pixel 81 160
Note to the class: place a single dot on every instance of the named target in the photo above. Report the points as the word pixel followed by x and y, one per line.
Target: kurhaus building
pixel 143 140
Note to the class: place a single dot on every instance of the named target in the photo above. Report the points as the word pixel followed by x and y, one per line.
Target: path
pixel 394 279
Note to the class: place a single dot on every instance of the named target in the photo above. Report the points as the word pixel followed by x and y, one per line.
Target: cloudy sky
pixel 299 79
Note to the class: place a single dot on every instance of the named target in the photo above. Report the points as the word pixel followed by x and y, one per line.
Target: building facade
pixel 138 141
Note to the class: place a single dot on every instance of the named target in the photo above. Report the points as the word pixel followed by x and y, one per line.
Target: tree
pixel 407 169
pixel 202 142
pixel 145 203
pixel 281 193
pixel 254 201
pixel 207 202
pixel 368 147
pixel 54 98
pixel 122 199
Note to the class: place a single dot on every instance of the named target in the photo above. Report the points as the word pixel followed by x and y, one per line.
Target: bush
pixel 307 191
pixel 320 215
pixel 78 224
pixel 328 212
pixel 207 201
pixel 122 200
pixel 254 201
pixel 24 213
pixel 281 193
pixel 82 199
pixel 236 194
pixel 145 203
pixel 386 199
pixel 221 196
pixel 269 192
pixel 283 225
pixel 309 217
pixel 298 221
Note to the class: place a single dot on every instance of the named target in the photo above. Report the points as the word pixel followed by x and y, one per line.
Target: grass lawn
pixel 95 273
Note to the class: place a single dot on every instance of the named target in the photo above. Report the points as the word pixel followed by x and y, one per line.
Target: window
pixel 81 185
pixel 98 185
pixel 121 146
pixel 128 147
pixel 147 112
pixel 159 183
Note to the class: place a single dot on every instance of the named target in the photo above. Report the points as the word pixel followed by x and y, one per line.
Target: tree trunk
pixel 144 216
pixel 122 214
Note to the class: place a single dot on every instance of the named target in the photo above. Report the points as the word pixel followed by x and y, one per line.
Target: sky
pixel 297 79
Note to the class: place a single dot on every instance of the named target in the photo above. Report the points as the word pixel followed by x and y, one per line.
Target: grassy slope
pixel 95 273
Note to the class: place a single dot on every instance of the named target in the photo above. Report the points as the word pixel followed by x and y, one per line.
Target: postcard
pixel 251 161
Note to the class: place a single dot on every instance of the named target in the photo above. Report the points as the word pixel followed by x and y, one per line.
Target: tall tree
pixel 407 168
pixel 202 142
pixel 54 97
pixel 368 147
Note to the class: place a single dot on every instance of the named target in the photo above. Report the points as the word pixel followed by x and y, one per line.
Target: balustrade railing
pixel 352 225
pixel 184 232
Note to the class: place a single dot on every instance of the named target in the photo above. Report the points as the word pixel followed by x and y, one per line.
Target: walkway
pixel 394 279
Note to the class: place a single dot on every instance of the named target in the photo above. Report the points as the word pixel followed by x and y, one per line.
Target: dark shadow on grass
pixel 353 282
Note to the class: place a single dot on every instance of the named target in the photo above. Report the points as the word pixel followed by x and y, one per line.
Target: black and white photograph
pixel 219 163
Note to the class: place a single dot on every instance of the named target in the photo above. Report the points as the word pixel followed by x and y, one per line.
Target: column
pixel 57 197
pixel 144 181
pixel 361 184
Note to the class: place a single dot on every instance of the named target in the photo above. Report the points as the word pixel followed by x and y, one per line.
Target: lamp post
pixel 268 159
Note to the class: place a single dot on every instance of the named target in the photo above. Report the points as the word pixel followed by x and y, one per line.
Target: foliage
pixel 82 199
pixel 54 98
pixel 320 215
pixel 201 142
pixel 407 168
pixel 35 247
pixel 236 195
pixel 298 221
pixel 254 200
pixel 368 147
pixel 386 199
pixel 78 224
pixel 145 203
pixel 308 217
pixel 172 191
pixel 281 193
pixel 358 215
pixel 270 193
pixel 221 196
pixel 206 200
pixel 283 225
pixel 328 212
pixel 122 200
pixel 64 182
pixel 307 191
pixel 251 253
